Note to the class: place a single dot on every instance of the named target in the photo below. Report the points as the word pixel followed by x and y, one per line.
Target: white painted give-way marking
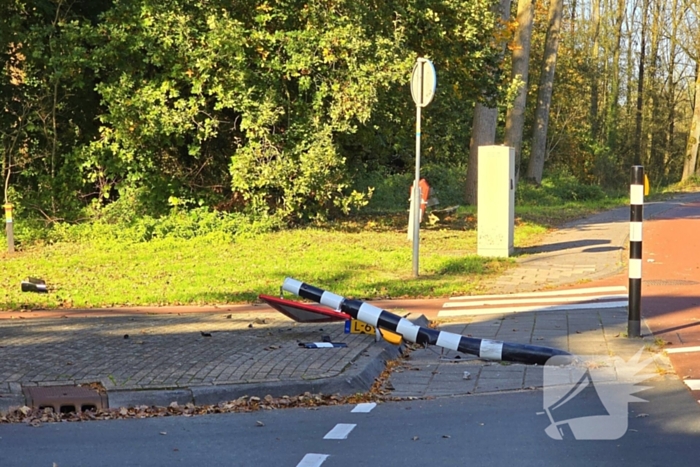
pixel 559 300
pixel 364 407
pixel 340 431
pixel 312 460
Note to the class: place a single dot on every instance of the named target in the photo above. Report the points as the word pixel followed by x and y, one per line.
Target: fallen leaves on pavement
pixel 38 416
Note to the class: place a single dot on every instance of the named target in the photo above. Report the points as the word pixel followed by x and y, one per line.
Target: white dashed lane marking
pixel 312 460
pixel 340 431
pixel 364 407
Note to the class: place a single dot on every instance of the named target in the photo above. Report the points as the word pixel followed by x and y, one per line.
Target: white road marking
pixel 683 349
pixel 557 300
pixel 340 431
pixel 549 293
pixel 312 460
pixel 693 384
pixel 506 301
pixel 364 407
pixel 521 309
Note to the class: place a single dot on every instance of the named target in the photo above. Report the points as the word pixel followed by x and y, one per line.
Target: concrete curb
pixel 358 377
pixel 10 401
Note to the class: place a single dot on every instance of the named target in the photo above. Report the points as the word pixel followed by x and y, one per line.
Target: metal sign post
pixel 423 83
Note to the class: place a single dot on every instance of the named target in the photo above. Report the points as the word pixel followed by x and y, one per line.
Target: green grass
pixel 208 270
pixel 365 257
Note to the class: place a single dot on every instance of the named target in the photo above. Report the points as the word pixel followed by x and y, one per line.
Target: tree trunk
pixel 691 152
pixel 544 92
pixel 483 130
pixel 483 134
pixel 595 76
pixel 639 146
pixel 653 155
pixel 671 92
pixel 515 117
pixel 612 110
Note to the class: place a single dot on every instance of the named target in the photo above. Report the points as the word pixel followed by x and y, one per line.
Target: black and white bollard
pixel 635 264
pixel 9 229
pixel 370 314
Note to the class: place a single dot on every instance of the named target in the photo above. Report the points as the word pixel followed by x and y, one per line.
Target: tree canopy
pixel 265 107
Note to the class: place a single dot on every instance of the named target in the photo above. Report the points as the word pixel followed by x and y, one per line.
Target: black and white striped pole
pixel 635 264
pixel 370 314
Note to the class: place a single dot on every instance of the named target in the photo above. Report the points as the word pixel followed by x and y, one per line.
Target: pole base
pixel 634 329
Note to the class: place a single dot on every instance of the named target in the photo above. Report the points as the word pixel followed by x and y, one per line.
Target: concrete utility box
pixel 496 201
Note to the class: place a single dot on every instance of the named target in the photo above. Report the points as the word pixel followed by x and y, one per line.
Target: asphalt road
pixel 494 429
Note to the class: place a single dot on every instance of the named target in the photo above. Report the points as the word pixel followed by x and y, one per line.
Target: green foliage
pixel 392 192
pixel 557 188
pixel 183 225
pixel 256 107
pixel 123 222
pixel 47 100
pixel 447 182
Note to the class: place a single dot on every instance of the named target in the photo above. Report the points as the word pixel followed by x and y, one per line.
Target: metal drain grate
pixel 670 282
pixel 65 399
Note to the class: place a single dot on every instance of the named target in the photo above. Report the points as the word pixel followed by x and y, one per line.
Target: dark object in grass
pixel 33 284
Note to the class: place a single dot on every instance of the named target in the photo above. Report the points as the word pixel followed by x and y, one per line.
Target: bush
pixel 557 188
pixel 392 191
pixel 179 224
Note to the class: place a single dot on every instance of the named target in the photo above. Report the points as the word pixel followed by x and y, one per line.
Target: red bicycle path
pixel 671 285
pixel 670 302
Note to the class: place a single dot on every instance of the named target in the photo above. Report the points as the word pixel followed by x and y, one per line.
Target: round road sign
pixel 423 82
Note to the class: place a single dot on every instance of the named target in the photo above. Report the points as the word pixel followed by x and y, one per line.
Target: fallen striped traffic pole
pixel 370 314
pixel 635 263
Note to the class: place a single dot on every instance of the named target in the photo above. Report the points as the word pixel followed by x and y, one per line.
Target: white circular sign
pixel 423 82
